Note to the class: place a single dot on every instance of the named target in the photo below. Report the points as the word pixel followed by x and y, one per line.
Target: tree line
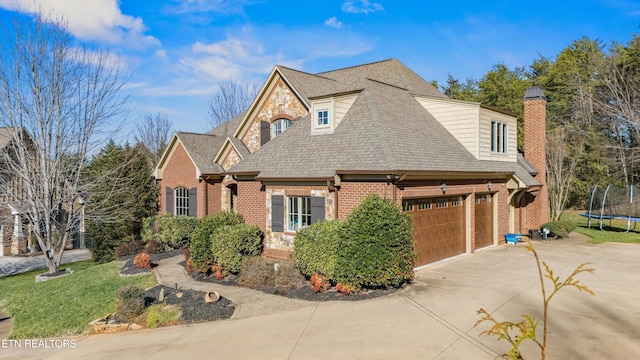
pixel 593 113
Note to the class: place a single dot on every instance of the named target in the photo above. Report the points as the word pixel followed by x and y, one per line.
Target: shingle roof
pixel 385 129
pixel 202 148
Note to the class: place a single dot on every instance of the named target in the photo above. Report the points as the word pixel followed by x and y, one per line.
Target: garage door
pixel 484 220
pixel 439 225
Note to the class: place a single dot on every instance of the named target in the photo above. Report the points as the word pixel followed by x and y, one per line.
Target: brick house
pixel 312 146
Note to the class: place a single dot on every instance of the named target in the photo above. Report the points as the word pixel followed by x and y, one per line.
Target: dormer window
pixel 323 117
pixel 279 126
pixel 499 137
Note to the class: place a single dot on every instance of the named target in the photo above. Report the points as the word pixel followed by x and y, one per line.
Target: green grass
pixel 63 306
pixel 613 232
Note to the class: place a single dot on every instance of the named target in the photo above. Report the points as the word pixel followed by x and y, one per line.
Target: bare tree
pixel 231 99
pixel 153 132
pixel 561 165
pixel 617 101
pixel 61 101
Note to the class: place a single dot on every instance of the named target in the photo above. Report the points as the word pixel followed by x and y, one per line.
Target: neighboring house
pixel 15 229
pixel 312 146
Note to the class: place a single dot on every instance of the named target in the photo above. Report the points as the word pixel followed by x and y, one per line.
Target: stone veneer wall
pixel 280 102
pixel 279 244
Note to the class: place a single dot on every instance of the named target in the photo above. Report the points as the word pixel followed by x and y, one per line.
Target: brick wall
pixel 351 195
pixel 535 153
pixel 251 203
pixel 180 171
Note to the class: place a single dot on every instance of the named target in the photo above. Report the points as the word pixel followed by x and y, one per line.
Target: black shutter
pixel 277 213
pixel 317 209
pixel 265 132
pixel 169 192
pixel 193 202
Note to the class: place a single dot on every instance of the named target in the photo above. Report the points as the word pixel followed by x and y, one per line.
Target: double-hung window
pixel 298 212
pixel 499 137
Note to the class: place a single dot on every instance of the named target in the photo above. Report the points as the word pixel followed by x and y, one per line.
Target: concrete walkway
pixel 432 319
pixel 248 302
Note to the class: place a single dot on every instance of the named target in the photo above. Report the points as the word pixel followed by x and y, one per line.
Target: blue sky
pixel 177 50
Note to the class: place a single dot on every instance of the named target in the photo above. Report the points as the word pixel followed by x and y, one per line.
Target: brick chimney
pixel 535 126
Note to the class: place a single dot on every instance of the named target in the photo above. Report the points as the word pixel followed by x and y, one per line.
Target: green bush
pixel 230 245
pixel 200 247
pixel 174 232
pixel 316 248
pixel 376 246
pixel 130 302
pixel 561 228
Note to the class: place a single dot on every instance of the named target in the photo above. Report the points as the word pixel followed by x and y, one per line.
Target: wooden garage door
pixel 484 220
pixel 439 226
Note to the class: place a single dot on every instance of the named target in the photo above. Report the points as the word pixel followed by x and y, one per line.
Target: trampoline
pixel 614 203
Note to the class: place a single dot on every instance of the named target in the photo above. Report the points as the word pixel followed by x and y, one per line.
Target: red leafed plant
pixel 319 283
pixel 218 272
pixel 189 266
pixel 345 290
pixel 142 261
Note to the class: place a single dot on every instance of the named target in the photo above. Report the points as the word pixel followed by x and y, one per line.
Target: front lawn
pixel 614 231
pixel 63 306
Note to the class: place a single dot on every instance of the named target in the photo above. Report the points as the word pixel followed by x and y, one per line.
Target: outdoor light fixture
pixel 443 187
pixel 489 185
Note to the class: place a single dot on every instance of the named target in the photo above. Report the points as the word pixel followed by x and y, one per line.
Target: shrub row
pixel 170 232
pixel 373 248
pixel 200 247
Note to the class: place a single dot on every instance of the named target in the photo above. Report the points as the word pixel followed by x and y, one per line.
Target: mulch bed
pixel 301 293
pixel 129 269
pixel 192 305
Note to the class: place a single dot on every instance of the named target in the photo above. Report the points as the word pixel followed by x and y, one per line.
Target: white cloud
pixel 217 6
pixel 361 6
pixel 161 54
pixel 91 20
pixel 333 22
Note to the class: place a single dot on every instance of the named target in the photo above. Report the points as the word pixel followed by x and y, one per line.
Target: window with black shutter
pixel 169 196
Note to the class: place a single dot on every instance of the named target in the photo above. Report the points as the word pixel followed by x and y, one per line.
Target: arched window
pixel 279 126
pixel 182 201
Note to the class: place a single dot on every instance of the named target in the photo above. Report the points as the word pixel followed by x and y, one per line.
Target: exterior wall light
pixel 489 184
pixel 443 187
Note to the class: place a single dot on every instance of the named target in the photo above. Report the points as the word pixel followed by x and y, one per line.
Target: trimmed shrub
pixel 200 247
pixel 152 247
pixel 230 245
pixel 174 232
pixel 130 302
pixel 560 228
pixel 142 261
pixel 130 248
pixel 345 290
pixel 316 248
pixel 376 246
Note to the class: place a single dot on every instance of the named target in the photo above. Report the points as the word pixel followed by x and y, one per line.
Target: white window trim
pixel 499 137
pixel 300 200
pixel 280 121
pixel 317 119
pixel 181 201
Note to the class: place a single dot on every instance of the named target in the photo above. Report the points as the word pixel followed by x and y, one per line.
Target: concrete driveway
pixel 432 319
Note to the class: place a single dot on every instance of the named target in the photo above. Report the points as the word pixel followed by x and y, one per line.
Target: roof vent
pixel 534 92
